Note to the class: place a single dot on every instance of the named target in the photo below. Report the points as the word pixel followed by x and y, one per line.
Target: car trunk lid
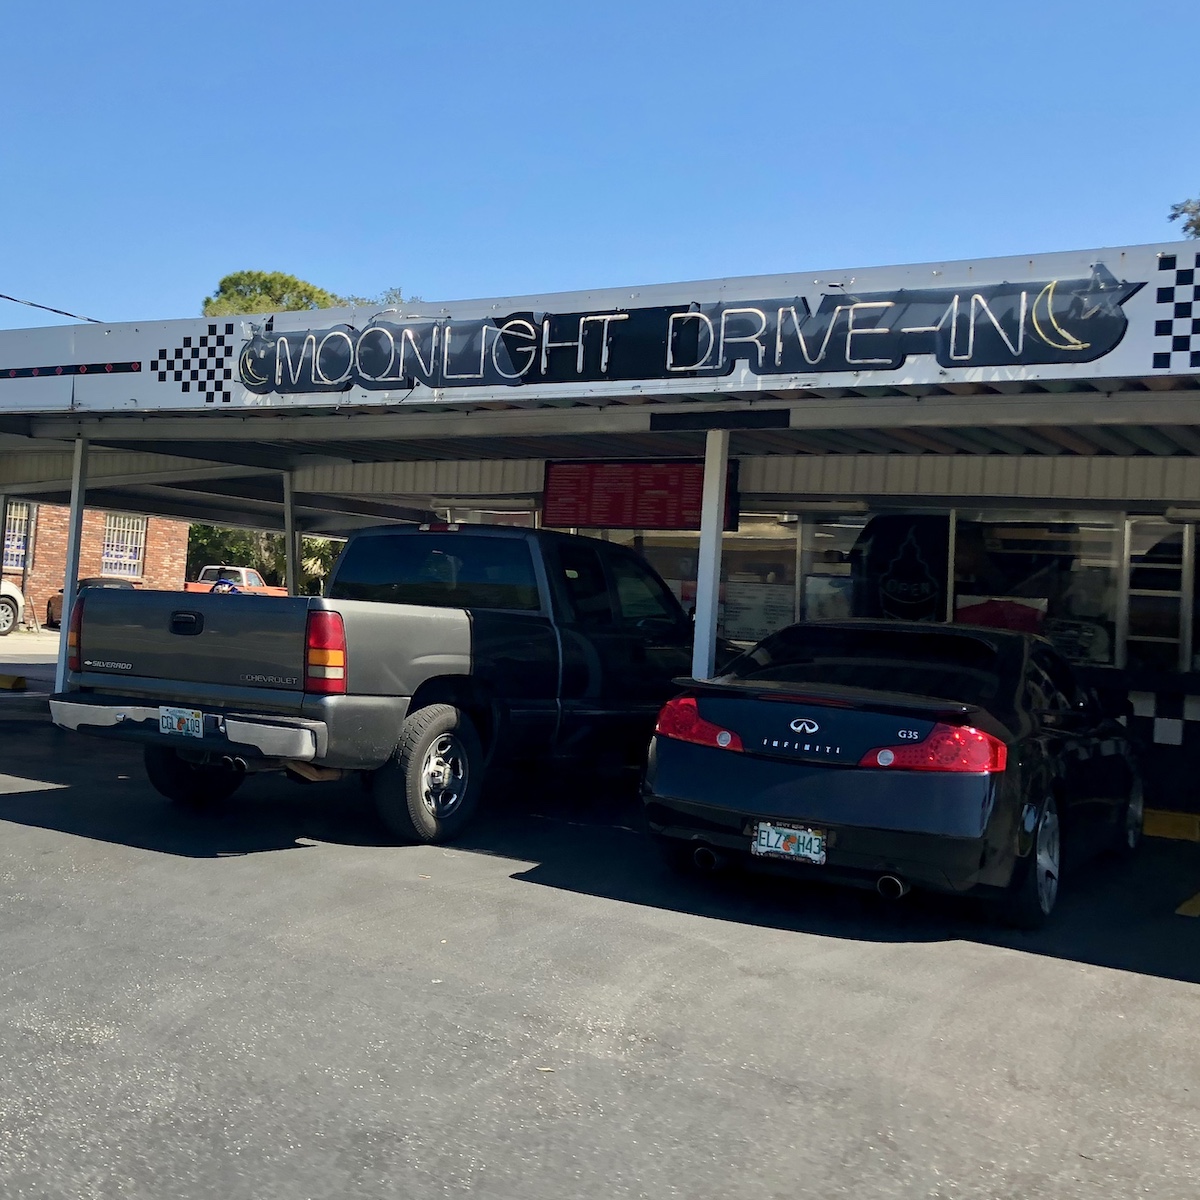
pixel 821 724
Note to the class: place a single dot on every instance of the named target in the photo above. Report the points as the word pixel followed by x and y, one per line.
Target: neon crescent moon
pixel 1069 340
pixel 249 374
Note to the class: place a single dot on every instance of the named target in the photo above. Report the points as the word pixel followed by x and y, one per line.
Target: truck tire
pixel 429 789
pixel 197 785
pixel 8 615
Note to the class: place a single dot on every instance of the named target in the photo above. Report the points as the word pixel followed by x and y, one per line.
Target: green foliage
pixel 393 297
pixel 217 545
pixel 273 291
pixel 1187 211
pixel 265 291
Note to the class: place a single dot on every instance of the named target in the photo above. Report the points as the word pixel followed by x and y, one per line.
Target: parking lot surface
pixel 271 1001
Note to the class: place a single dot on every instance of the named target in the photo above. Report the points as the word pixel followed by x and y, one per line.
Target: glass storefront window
pixel 827 584
pixel 1156 586
pixel 758 571
pixel 1057 574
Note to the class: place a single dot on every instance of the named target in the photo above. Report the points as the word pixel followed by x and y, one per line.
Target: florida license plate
pixel 184 722
pixel 783 841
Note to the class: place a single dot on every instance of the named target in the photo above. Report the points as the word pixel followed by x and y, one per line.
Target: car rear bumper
pixel 854 856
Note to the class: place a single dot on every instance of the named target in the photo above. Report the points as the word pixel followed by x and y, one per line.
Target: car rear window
pixel 447 570
pixel 945 666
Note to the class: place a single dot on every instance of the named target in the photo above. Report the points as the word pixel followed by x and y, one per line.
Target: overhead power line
pixel 62 312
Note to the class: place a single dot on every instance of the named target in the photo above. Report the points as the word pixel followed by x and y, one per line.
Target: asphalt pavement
pixel 271 1001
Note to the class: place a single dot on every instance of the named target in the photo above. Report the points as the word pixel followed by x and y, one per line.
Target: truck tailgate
pixel 222 642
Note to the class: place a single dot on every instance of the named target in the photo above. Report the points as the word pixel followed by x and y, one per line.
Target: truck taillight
pixel 325 654
pixel 947 748
pixel 73 634
pixel 680 719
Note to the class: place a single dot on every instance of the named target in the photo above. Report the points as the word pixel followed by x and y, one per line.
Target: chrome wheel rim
pixel 1047 860
pixel 1135 813
pixel 8 617
pixel 444 775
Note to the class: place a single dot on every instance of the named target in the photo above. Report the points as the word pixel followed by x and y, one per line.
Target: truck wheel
pixel 8 615
pixel 429 789
pixel 196 784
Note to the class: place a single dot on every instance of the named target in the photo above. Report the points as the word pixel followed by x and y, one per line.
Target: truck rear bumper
pixel 245 735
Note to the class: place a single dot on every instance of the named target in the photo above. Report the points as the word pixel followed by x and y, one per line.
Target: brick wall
pixel 164 564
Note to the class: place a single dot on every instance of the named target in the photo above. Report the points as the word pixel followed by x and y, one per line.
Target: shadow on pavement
pixel 590 842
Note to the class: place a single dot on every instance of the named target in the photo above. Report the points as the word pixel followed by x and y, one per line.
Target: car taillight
pixel 680 719
pixel 947 748
pixel 73 634
pixel 325 654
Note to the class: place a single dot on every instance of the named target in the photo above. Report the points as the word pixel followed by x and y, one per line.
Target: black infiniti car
pixel 896 755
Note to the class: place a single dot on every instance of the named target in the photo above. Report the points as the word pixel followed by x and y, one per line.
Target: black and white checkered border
pixel 1177 326
pixel 203 364
pixel 1165 717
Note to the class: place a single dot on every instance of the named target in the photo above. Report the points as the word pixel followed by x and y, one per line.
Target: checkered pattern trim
pixel 1164 718
pixel 1177 325
pixel 203 364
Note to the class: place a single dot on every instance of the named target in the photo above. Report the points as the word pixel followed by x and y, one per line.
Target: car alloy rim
pixel 7 616
pixel 444 775
pixel 1047 861
pixel 1135 812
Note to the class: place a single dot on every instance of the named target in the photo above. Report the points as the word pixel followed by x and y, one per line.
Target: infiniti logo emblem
pixel 804 725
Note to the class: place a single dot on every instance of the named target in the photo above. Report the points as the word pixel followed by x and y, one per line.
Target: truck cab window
pixel 641 597
pixel 585 586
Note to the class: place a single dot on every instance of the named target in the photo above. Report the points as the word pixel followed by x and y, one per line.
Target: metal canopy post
pixel 708 573
pixel 289 533
pixel 74 542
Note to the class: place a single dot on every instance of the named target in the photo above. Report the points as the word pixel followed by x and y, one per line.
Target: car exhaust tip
pixel 236 765
pixel 891 888
pixel 707 860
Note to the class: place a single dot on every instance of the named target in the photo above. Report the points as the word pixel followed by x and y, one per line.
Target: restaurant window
pixel 16 535
pixel 758 571
pixel 124 545
pixel 1057 574
pixel 1159 556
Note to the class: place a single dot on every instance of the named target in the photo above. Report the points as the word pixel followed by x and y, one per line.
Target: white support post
pixel 74 542
pixel 291 543
pixel 708 574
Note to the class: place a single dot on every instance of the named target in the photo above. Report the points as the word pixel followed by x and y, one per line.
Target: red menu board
pixel 629 495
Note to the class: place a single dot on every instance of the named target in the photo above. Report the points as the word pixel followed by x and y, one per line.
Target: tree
pixel 273 291
pixel 265 291
pixel 266 553
pixel 1187 211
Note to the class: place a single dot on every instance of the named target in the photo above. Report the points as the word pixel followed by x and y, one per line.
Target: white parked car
pixel 12 607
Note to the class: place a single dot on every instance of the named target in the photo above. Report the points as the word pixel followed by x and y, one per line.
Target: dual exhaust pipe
pixel 890 887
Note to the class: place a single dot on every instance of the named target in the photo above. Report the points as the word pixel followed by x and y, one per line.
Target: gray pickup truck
pixel 436 652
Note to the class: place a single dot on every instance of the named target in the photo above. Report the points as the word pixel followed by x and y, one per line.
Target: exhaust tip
pixel 891 888
pixel 706 859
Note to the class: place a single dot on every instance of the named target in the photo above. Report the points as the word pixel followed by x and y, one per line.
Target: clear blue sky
pixel 458 149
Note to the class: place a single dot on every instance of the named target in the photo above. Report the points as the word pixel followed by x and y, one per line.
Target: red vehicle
pixel 241 579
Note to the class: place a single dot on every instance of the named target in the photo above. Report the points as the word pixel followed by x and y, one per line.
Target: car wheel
pixel 1128 835
pixel 429 789
pixel 1034 895
pixel 8 615
pixel 197 785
